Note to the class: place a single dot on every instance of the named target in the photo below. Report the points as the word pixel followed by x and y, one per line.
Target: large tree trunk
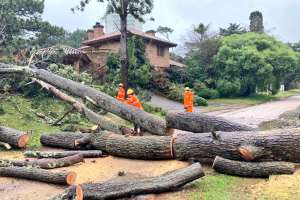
pixel 115 189
pixel 276 145
pixel 150 122
pixel 14 137
pixel 45 163
pixel 200 123
pixel 103 122
pixel 256 169
pixel 65 140
pixel 62 154
pixel 62 178
pixel 146 148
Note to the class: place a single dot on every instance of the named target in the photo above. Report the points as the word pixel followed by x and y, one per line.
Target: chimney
pixel 98 30
pixel 151 32
pixel 90 34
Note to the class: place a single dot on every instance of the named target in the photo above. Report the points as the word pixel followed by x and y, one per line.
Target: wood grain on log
pixel 146 148
pixel 252 169
pixel 65 140
pixel 47 163
pixel 62 154
pixel 62 178
pixel 14 137
pixel 201 123
pixel 150 122
pixel 115 189
pixel 275 145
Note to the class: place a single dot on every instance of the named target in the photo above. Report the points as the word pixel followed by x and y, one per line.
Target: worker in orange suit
pixel 188 100
pixel 134 101
pixel 121 93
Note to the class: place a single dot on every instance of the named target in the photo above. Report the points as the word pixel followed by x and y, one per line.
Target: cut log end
pixel 79 193
pixel 23 140
pixel 71 178
pixel 5 145
pixel 246 154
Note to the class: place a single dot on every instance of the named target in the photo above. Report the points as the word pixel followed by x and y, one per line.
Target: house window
pixel 160 51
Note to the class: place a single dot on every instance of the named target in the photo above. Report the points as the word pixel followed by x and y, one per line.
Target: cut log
pixel 275 145
pixel 62 154
pixel 104 122
pixel 14 137
pixel 65 140
pixel 146 148
pixel 62 178
pixel 5 145
pixel 115 189
pixel 149 122
pixel 247 169
pixel 72 193
pixel 200 123
pixel 47 163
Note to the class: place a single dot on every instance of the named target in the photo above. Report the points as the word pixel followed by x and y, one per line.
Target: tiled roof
pixel 56 49
pixel 117 35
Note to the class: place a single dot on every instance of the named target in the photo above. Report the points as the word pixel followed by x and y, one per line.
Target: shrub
pixel 208 93
pixel 199 101
pixel 176 92
pixel 227 88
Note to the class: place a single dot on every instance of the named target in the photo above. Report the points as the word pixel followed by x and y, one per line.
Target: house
pixel 99 45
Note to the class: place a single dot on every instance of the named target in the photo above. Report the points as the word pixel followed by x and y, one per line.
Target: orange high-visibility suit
pixel 188 101
pixel 134 101
pixel 121 94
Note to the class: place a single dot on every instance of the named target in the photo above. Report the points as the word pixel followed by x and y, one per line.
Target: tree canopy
pixel 251 61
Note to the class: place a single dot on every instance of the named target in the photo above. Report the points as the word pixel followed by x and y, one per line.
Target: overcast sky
pixel 281 17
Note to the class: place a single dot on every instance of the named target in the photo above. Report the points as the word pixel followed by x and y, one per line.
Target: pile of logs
pixel 10 137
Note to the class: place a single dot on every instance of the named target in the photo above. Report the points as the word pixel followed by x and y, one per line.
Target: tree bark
pixel 65 140
pixel 14 137
pixel 62 154
pixel 121 189
pixel 146 148
pixel 150 122
pixel 103 122
pixel 46 163
pixel 200 123
pixel 275 145
pixel 257 170
pixel 124 46
pixel 36 174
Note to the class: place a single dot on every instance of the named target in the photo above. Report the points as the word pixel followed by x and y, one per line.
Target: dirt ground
pixel 90 171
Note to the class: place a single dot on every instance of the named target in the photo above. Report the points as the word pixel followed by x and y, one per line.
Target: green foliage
pixel 233 28
pixel 251 61
pixel 199 101
pixel 165 31
pixel 69 72
pixel 177 75
pixel 208 93
pixel 74 39
pixel 21 25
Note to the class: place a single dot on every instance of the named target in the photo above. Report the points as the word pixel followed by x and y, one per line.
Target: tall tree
pixel 233 28
pixel 202 29
pixel 165 31
pixel 256 22
pixel 20 20
pixel 136 8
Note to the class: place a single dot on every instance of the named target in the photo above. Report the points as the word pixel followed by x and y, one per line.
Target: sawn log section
pixel 14 137
pixel 252 169
pixel 115 189
pixel 201 123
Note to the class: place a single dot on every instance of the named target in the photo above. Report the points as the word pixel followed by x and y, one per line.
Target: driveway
pixel 252 116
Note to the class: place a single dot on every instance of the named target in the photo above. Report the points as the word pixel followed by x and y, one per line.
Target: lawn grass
pixel 19 112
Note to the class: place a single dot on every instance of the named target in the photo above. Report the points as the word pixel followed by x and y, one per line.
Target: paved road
pixel 252 116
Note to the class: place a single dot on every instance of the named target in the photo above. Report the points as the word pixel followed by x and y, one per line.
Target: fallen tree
pixel 148 121
pixel 115 189
pixel 62 154
pixel 5 145
pixel 275 145
pixel 201 123
pixel 65 140
pixel 45 163
pixel 103 122
pixel 36 174
pixel 14 137
pixel 252 169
